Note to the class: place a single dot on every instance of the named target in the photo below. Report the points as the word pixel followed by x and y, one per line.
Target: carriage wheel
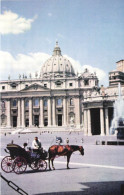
pixel 34 165
pixel 7 164
pixel 42 165
pixel 20 165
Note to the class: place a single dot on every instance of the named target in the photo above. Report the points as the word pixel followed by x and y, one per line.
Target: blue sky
pixel 89 32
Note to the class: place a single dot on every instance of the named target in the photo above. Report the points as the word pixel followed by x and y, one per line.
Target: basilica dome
pixel 57 65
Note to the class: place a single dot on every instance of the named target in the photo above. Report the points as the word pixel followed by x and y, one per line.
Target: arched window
pixel 36 102
pixel 14 103
pixel 45 103
pixel 59 102
pixel 26 103
pixel 71 102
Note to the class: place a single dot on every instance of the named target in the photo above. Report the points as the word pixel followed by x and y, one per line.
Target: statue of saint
pixel 72 120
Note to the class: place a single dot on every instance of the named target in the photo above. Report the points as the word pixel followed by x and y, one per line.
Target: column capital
pixel 53 97
pixel 30 98
pixel 41 98
pixel 8 99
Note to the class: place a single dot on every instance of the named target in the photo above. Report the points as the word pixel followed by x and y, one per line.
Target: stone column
pixel 49 112
pixel 89 122
pixel 67 105
pixel 102 121
pixel 23 113
pixel 85 122
pixel 77 111
pixel 41 113
pixel 64 111
pixel 30 112
pixel 54 112
pixel 19 114
pixel 8 114
pixel 106 121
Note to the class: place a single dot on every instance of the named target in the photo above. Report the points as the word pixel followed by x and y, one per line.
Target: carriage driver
pixel 36 144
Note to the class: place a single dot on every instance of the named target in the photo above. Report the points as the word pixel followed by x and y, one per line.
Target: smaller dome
pixel 57 65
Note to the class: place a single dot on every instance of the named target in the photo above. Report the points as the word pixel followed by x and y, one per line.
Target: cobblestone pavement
pixel 99 172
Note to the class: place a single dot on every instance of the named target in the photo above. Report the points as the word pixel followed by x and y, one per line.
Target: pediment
pixel 35 87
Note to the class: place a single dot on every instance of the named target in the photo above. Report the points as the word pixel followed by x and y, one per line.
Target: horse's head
pixel 81 150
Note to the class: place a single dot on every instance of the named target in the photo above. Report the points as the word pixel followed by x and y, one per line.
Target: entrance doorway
pixel 36 120
pixel 45 122
pixel 27 122
pixel 95 121
pixel 60 120
pixel 14 121
pixel 111 115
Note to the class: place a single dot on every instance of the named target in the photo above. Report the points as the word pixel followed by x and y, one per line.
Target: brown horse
pixel 63 150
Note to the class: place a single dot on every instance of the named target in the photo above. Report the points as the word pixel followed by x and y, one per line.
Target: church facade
pixel 60 99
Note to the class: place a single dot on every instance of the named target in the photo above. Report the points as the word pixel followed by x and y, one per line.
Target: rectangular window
pixel 70 84
pixel 45 85
pixel 14 103
pixel 14 87
pixel 45 103
pixel 59 102
pixel 36 102
pixel 58 84
pixel 26 103
pixel 3 87
pixel 45 111
pixel 86 82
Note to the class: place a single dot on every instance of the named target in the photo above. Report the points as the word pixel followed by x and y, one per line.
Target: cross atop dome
pixel 56 43
pixel 57 50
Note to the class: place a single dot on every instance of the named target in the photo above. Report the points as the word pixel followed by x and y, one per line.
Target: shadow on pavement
pixel 60 169
pixel 35 171
pixel 95 188
pixel 63 169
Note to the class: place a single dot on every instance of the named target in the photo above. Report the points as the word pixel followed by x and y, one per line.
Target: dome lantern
pixel 57 50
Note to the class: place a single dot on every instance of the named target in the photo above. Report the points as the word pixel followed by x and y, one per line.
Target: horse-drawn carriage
pixel 19 158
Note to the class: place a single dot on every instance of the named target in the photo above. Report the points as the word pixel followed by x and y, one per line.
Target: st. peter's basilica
pixel 60 99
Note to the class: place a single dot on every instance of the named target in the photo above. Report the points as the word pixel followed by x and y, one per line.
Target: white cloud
pixel 11 23
pixel 20 64
pixel 79 68
pixel 49 14
pixel 32 62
